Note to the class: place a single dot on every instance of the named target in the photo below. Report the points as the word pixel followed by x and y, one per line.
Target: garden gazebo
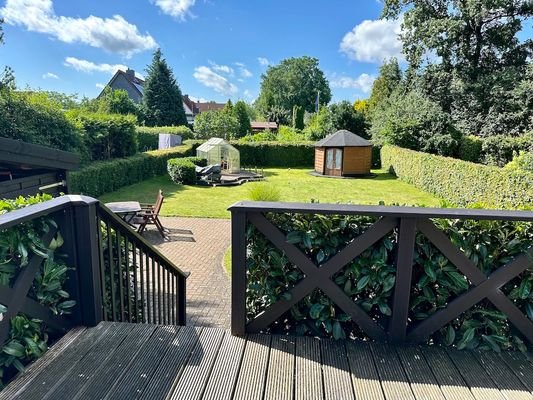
pixel 343 154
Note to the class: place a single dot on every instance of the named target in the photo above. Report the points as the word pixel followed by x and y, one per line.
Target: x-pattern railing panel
pixel 399 329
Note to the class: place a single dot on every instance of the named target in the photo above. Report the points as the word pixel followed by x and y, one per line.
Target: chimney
pixel 130 74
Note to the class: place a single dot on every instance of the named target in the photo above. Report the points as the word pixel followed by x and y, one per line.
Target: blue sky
pixel 217 49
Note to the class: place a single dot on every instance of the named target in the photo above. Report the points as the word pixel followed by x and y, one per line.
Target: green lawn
pixel 295 184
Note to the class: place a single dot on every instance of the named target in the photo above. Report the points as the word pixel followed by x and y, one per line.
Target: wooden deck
pixel 139 361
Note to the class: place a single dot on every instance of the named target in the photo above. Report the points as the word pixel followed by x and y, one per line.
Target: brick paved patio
pixel 197 245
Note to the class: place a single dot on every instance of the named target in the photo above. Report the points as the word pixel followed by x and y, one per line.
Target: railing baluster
pixel 120 275
pixel 173 297
pixel 111 260
pixel 159 305
pixel 128 280
pixel 141 281
pixel 165 297
pixel 169 306
pixel 154 309
pixel 148 294
pixel 102 264
pixel 182 295
pixel 135 287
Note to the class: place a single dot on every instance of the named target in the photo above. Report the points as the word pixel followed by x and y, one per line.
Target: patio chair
pixel 149 215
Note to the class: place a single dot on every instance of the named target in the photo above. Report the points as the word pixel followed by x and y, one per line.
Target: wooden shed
pixel 28 169
pixel 343 153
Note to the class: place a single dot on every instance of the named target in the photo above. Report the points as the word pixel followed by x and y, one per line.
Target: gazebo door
pixel 334 162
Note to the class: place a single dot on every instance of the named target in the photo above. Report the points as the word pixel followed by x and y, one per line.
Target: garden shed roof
pixel 343 138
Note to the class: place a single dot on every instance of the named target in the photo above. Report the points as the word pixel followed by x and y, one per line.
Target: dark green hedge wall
pixel 460 182
pixel 275 154
pixel 108 176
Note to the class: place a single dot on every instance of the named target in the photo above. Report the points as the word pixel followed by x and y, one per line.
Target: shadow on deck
pixel 143 361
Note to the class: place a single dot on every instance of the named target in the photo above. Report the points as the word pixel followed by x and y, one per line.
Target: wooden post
pixel 88 267
pixel 238 272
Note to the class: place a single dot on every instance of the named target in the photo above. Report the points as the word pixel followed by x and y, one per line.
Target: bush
pixel 182 170
pixel 275 154
pixel 369 279
pixel 522 161
pixel 470 148
pixel 108 176
pixel 28 338
pixel 264 191
pixel 500 149
pixel 106 136
pixel 148 137
pixel 460 182
pixel 36 118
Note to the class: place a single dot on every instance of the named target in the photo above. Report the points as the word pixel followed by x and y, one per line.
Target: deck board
pixel 252 377
pixel 135 361
pixel 336 370
pixel 393 378
pixel 280 376
pixel 365 377
pixel 308 374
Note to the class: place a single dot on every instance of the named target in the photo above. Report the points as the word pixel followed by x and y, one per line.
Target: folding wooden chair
pixel 149 215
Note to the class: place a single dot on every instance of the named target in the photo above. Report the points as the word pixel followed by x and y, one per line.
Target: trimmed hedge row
pixel 460 182
pixel 183 170
pixel 275 154
pixel 108 176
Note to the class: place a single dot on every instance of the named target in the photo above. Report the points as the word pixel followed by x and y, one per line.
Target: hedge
pixel 460 182
pixel 106 136
pixel 148 137
pixel 369 279
pixel 108 176
pixel 183 170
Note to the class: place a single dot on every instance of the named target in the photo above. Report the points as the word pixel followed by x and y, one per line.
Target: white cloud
pixel 115 34
pixel 263 61
pixel 176 8
pixel 90 67
pixel 100 85
pixel 50 75
pixel 207 77
pixel 363 82
pixel 248 94
pixel 245 73
pixel 224 69
pixel 198 99
pixel 373 41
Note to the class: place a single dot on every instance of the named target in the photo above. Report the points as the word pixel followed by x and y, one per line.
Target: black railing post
pixel 238 272
pixel 404 272
pixel 182 296
pixel 88 262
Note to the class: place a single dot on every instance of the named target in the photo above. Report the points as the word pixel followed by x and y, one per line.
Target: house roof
pixel 343 138
pixel 209 106
pixel 263 125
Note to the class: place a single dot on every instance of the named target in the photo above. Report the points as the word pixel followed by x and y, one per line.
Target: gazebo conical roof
pixel 343 138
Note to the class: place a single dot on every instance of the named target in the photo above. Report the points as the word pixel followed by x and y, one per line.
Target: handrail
pixel 139 239
pixel 386 211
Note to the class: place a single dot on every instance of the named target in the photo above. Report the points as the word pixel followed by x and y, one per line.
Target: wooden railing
pixel 115 275
pixel 406 221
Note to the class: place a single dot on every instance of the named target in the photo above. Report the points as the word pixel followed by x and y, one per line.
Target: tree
pixel 411 120
pixel 466 52
pixel 344 116
pixel 295 81
pixel 278 115
pixel 216 123
pixel 7 78
pixel 117 102
pixel 162 100
pixel 241 113
pixel 298 117
pixel 389 78
pixel 320 125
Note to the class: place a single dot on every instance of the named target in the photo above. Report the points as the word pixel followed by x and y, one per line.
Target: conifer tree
pixel 241 113
pixel 162 100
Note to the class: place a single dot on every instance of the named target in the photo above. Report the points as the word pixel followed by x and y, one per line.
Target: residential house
pixel 133 85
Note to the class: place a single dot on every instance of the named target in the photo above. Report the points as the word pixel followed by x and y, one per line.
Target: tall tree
pixel 7 78
pixel 294 82
pixel 466 52
pixel 344 116
pixel 389 78
pixel 162 100
pixel 241 113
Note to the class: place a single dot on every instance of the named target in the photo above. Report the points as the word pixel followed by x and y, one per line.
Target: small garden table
pixel 125 209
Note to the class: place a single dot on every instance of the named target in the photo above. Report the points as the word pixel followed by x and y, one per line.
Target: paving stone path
pixel 197 245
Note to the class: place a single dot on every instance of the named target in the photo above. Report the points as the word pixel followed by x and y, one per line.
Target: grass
pixel 295 185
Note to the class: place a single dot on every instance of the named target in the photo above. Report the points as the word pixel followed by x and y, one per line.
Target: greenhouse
pixel 218 151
